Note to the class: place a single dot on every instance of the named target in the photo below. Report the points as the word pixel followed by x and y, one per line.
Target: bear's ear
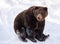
pixel 36 8
pixel 30 10
pixel 33 8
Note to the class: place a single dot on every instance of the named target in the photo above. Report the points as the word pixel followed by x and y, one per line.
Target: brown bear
pixel 30 23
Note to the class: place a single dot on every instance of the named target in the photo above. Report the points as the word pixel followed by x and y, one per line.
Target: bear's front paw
pixel 43 37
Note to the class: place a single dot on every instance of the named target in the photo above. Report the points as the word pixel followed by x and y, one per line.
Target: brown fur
pixel 31 21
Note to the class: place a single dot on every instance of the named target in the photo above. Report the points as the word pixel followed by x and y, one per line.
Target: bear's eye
pixel 36 8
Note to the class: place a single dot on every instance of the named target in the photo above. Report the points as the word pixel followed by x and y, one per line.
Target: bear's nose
pixel 39 18
pixel 45 8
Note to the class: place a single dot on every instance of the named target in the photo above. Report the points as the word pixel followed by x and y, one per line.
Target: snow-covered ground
pixel 10 8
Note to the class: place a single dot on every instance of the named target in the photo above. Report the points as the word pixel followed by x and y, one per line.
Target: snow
pixel 10 8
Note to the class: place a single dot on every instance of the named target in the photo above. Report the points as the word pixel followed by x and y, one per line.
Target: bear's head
pixel 39 12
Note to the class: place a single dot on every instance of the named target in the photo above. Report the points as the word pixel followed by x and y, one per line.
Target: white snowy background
pixel 10 8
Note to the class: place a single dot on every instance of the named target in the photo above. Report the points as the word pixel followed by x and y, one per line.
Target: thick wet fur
pixel 30 23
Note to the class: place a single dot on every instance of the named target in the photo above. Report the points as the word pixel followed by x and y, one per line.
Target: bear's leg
pixel 40 36
pixel 30 33
pixel 21 32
